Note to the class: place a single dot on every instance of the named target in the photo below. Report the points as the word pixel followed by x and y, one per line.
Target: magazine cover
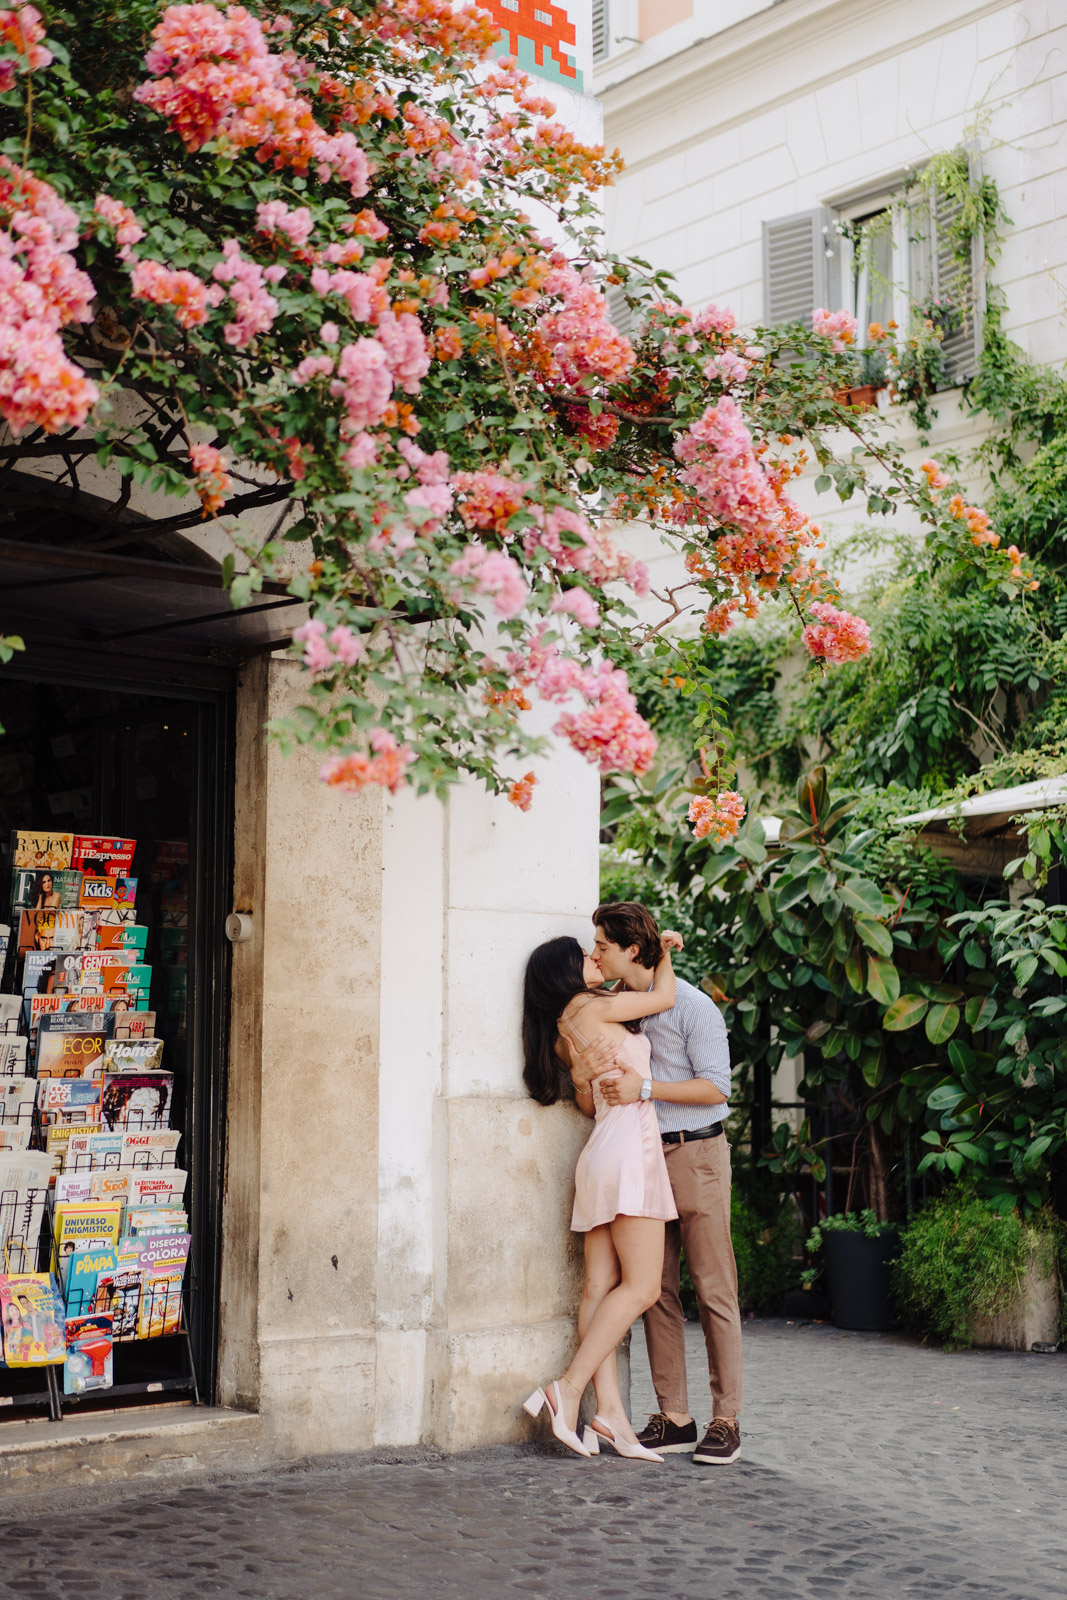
pixel 10 1006
pixel 68 1039
pixel 31 1314
pixel 90 1345
pixel 162 1267
pixel 110 1185
pixel 15 1135
pixel 102 856
pixel 73 1188
pixel 5 940
pixel 122 936
pixel 164 1188
pixel 58 1138
pixel 62 1100
pixel 126 1298
pixel 41 851
pixel 117 916
pixel 68 930
pixel 18 1096
pixel 88 1267
pixel 136 1100
pixel 99 959
pixel 157 1147
pixel 133 1055
pixel 133 1024
pixel 75 1223
pixel 91 1150
pixel 36 930
pixel 133 979
pixel 12 1050
pixel 143 1221
pixel 45 891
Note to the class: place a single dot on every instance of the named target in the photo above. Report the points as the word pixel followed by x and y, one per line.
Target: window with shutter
pixel 936 274
pixel 601 31
pixel 797 253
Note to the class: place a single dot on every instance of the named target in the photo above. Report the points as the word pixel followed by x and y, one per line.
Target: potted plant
pixel 871 376
pixel 858 1253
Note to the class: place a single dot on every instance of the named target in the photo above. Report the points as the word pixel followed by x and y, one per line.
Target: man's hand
pixel 623 1087
pixel 671 940
pixel 590 1060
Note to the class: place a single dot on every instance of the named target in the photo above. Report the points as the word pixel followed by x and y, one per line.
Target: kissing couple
pixel 650 1064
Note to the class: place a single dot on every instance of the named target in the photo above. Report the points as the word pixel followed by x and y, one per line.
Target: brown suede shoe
pixel 666 1437
pixel 720 1445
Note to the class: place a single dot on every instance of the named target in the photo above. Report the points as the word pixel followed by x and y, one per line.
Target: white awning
pixel 995 808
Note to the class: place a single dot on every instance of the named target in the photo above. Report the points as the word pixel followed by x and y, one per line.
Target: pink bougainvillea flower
pixel 22 30
pixel 578 604
pixel 189 298
pixel 387 767
pixel 493 574
pixel 718 818
pixel 837 636
pixel 521 792
pixel 213 483
pixel 840 326
pixel 128 230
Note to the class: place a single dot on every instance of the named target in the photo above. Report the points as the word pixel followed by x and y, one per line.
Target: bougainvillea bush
pixel 297 258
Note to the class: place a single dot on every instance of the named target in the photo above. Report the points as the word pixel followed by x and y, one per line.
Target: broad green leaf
pixel 1025 970
pixel 883 981
pixel 875 935
pixel 819 883
pixel 980 1011
pixel 906 1012
pixel 873 1067
pixel 861 895
pixel 941 1023
pixel 856 968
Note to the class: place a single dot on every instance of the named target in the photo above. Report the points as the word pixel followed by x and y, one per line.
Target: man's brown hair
pixel 626 923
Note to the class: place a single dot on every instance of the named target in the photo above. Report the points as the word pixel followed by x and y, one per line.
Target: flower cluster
pixel 579 337
pixel 837 636
pixel 217 78
pixel 489 499
pixel 840 326
pixel 324 653
pixel 41 291
pixel 521 792
pixel 213 483
pixel 387 767
pixel 128 230
pixel 189 298
pixel 254 309
pixel 22 31
pixel 936 477
pixel 493 574
pixel 610 731
pixel 719 818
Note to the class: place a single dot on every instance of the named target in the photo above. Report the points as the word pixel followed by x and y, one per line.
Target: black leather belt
pixel 693 1133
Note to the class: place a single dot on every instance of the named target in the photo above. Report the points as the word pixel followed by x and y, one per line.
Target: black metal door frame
pixel 211 690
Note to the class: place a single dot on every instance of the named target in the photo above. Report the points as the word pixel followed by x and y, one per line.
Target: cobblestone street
pixel 871 1468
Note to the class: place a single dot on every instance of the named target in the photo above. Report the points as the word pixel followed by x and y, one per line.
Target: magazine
pixel 24 1177
pixel 39 972
pixel 131 979
pixel 162 1267
pixel 123 936
pixel 68 930
pixel 10 1007
pixel 90 1346
pixel 144 1221
pixel 12 1050
pixel 58 1138
pixel 41 850
pixel 89 1222
pixel 148 1150
pixel 87 1265
pixel 110 1184
pixel 71 1043
pixel 133 1055
pixel 45 891
pixel 98 959
pixel 97 854
pixel 31 1313
pixel 18 1096
pixel 5 940
pixel 136 1100
pixel 133 1024
pixel 36 930
pixel 164 1188
pixel 63 1100
pixel 73 1188
pixel 89 1151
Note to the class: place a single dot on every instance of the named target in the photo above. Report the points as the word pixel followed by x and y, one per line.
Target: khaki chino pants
pixel 700 1178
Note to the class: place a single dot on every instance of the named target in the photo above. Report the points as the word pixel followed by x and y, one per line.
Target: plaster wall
pixel 746 112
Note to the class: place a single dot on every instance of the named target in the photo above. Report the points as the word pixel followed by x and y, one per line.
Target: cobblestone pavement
pixel 873 1469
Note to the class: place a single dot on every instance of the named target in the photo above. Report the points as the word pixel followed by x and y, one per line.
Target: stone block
pixel 1034 1317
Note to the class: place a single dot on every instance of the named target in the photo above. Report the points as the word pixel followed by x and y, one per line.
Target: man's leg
pixel 702 1194
pixel 665 1335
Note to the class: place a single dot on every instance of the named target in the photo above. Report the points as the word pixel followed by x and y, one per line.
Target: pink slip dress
pixel 621 1172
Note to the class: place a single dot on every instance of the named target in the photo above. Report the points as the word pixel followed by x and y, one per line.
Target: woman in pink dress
pixel 622 1192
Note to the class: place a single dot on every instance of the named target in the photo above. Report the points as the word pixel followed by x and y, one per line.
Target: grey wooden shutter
pixel 934 274
pixel 619 312
pixel 798 252
pixel 601 31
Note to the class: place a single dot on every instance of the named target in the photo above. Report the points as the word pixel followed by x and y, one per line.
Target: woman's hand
pixel 669 940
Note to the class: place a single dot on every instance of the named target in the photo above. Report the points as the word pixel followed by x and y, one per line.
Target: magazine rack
pixel 19 1255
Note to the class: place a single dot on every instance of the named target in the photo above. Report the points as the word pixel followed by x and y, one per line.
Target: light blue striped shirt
pixel 689 1041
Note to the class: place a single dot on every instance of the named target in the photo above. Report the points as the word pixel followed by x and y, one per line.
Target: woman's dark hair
pixel 626 923
pixel 555 973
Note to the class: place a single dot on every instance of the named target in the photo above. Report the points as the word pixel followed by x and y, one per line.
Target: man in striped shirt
pixel 690 1086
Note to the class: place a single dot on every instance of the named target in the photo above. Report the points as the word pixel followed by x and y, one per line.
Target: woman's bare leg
pixel 638 1243
pixel 602 1274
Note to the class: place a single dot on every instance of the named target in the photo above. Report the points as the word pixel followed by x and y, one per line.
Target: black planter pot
pixel 859 1277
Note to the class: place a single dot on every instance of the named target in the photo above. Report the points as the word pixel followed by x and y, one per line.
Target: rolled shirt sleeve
pixel 689 1041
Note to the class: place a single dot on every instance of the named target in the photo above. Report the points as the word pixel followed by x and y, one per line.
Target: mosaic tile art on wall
pixel 538 34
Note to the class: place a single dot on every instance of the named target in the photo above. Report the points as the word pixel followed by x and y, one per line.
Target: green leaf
pixel 819 883
pixel 980 1011
pixel 875 935
pixel 861 895
pixel 855 969
pixel 883 981
pixel 941 1023
pixel 905 1013
pixel 1025 970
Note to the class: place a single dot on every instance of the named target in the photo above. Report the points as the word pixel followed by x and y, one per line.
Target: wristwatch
pixel 646 1089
